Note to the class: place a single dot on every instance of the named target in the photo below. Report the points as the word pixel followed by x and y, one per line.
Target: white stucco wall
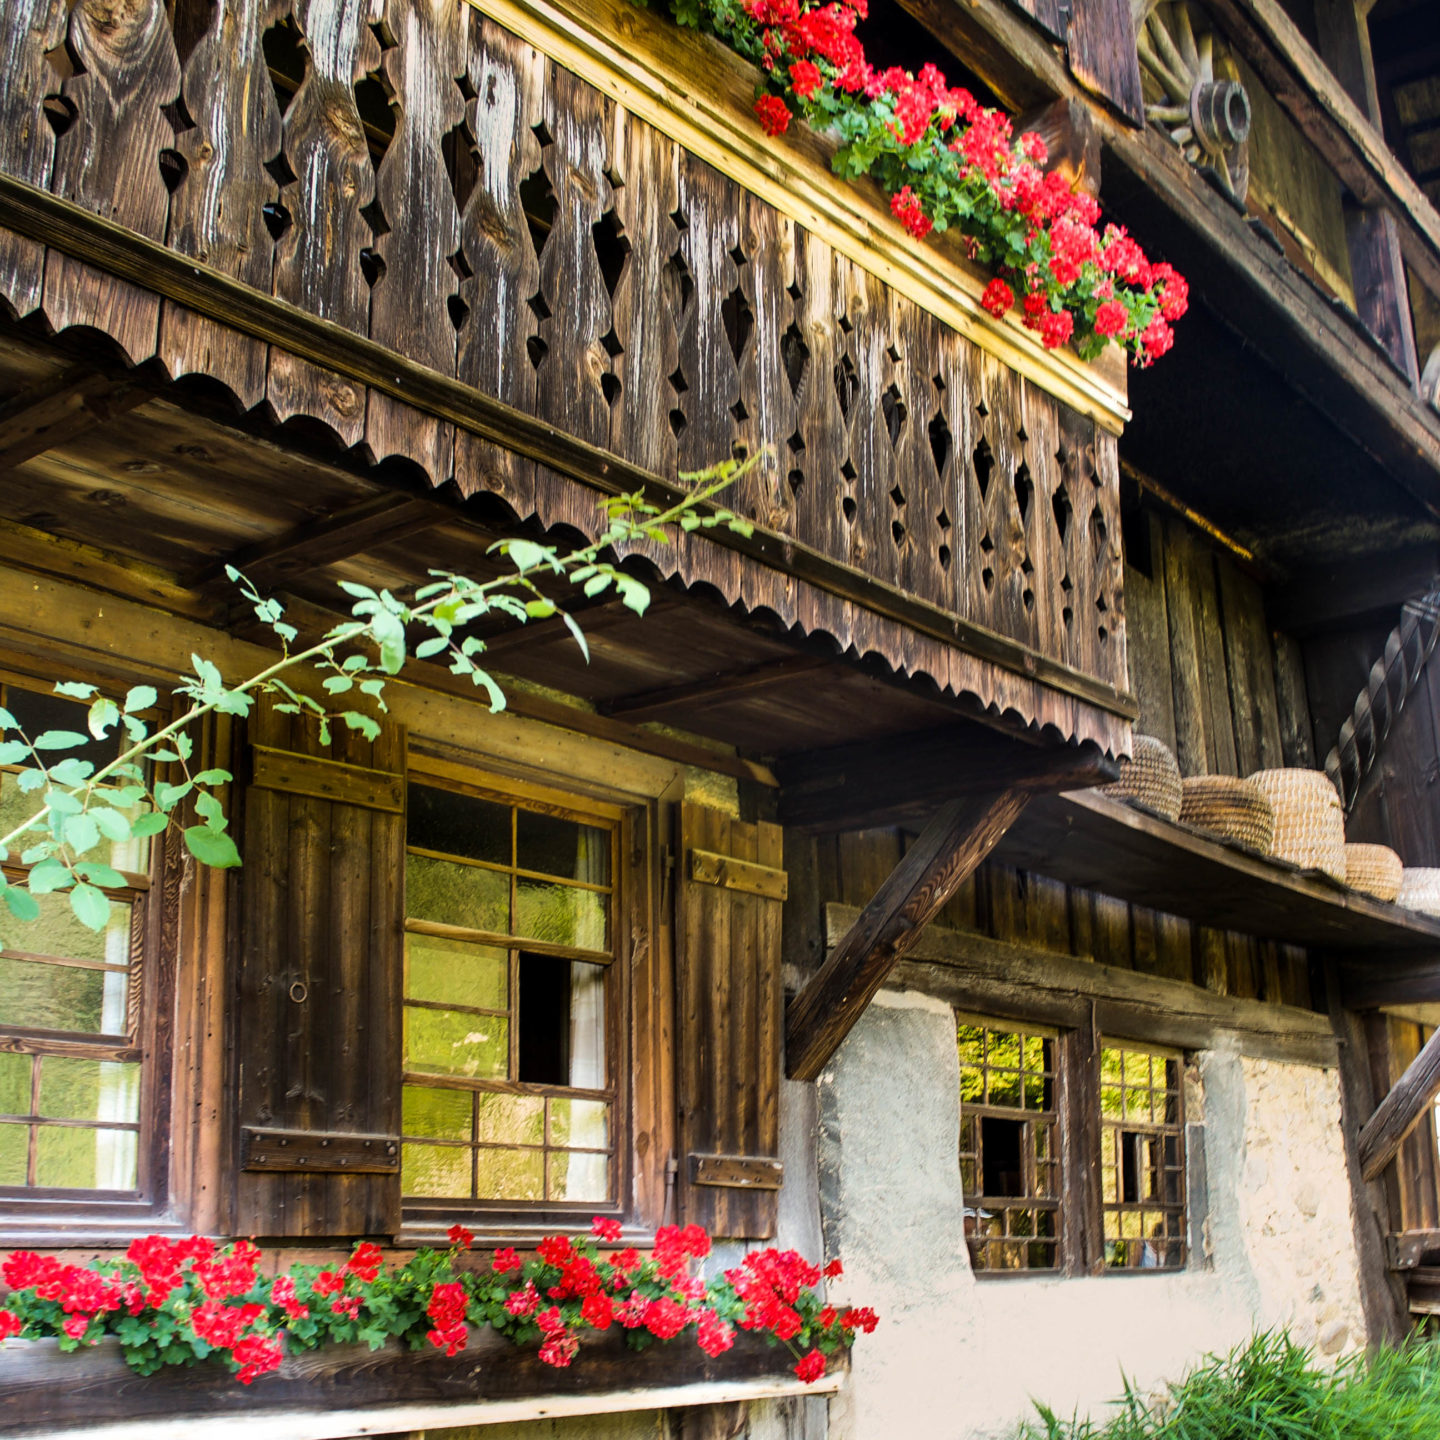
pixel 956 1357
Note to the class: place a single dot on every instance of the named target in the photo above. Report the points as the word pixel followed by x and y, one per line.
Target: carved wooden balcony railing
pixel 439 191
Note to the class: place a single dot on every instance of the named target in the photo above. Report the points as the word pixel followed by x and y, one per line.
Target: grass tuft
pixel 1272 1389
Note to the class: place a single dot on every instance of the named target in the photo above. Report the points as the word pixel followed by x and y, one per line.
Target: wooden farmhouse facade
pixel 795 907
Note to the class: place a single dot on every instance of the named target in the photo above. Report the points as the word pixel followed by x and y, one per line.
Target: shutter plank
pixel 319 1021
pixel 730 1005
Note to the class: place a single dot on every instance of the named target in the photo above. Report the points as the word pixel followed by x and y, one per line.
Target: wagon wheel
pixel 1208 119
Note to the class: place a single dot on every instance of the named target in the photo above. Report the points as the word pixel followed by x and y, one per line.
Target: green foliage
pixel 84 808
pixel 1273 1389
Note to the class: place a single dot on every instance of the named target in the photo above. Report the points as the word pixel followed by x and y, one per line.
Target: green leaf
pixel 167 797
pixel 49 875
pixel 80 833
pixel 12 752
pixel 30 780
pixel 214 777
pixel 72 770
pixel 141 697
pixel 337 684
pixel 209 809
pixel 525 554
pixel 98 874
pixel 496 694
pixel 75 688
pixel 579 635
pixel 103 714
pixel 60 740
pixel 211 847
pixel 20 902
pixel 91 906
pixel 112 824
pixel 433 646
pixel 151 823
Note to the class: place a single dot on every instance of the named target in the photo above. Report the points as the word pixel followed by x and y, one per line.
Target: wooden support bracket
pixel 1401 1110
pixel 56 410
pixel 961 834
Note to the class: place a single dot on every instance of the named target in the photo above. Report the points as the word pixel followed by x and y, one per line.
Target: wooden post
pixel 1401 1110
pixel 959 836
pixel 1372 235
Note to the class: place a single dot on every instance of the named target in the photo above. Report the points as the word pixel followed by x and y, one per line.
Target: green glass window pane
pixel 435 1170
pixel 77 1158
pixel 1112 1066
pixel 1005 1049
pixel 89 1089
pixel 15 1084
pixel 14 1153
pixel 1138 1105
pixel 1137 1068
pixel 1036 1092
pixel 972 1086
pixel 511 1175
pixel 456 972
pixel 455 894
pixel 575 1175
pixel 967 1177
pixel 581 1123
pixel 562 914
pixel 1109 1100
pixel 16 806
pixel 1004 1088
pixel 511 1119
pixel 433 1114
pixel 56 931
pixel 62 997
pixel 458 825
pixel 562 847
pixel 449 1042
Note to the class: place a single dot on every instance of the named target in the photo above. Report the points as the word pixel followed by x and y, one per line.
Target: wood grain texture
pixel 27 142
pixel 1402 1109
pixel 217 212
pixel 108 160
pixel 1100 43
pixel 947 852
pixel 728 997
pixel 317 259
pixel 411 300
pixel 318 1019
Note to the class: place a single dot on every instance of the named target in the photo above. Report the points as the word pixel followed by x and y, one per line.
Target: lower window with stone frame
pixel 1072 1151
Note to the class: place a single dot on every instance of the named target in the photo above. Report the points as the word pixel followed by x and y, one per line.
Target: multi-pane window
pixel 1142 1159
pixel 1075 1164
pixel 1009 1148
pixel 70 1074
pixel 510 920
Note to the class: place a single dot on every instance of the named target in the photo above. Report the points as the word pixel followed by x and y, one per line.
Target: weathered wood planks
pixel 511 228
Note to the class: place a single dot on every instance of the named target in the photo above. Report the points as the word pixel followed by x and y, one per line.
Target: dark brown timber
pixel 961 834
pixel 1401 1110
pixel 716 687
pixel 57 409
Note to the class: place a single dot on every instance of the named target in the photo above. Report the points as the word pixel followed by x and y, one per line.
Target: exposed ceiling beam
pixel 724 686
pixel 57 409
pixel 1401 1110
pixel 379 519
pixel 1382 983
pixel 901 779
pixel 1351 590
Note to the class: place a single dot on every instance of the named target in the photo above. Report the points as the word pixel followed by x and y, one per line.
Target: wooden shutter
pixel 730 1024
pixel 1100 40
pixel 321 923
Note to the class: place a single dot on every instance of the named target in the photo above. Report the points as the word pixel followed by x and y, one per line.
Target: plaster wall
pixel 956 1357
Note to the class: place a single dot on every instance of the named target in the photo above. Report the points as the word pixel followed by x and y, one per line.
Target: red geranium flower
pixel 773 114
pixel 811 1368
pixel 997 299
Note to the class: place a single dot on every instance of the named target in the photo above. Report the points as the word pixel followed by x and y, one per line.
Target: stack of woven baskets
pixel 1149 779
pixel 1230 808
pixel 1293 815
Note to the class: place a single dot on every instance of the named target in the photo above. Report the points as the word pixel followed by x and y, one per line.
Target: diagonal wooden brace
pixel 1401 1110
pixel 959 836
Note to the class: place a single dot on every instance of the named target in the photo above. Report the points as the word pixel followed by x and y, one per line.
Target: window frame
pixel 497 1220
pixel 55 1213
pixel 1081 1207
